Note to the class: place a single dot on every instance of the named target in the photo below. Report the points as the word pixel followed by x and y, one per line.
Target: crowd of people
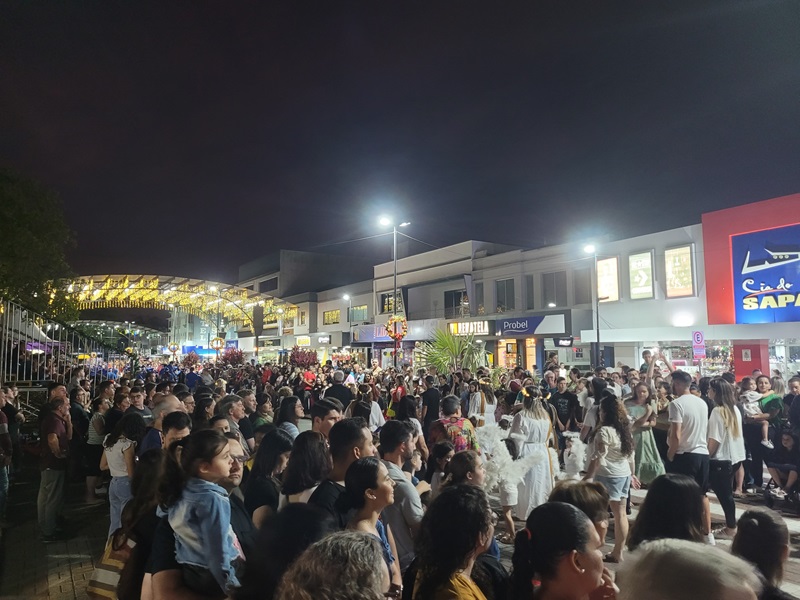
pixel 222 491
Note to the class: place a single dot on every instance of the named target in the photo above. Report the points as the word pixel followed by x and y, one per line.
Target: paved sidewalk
pixel 30 569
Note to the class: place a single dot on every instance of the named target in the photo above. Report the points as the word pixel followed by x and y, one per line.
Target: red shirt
pixel 53 424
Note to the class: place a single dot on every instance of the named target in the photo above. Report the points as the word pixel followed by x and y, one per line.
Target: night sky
pixel 186 138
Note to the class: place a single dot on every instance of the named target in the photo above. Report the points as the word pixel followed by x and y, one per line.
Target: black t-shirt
pixel 246 427
pixel 341 392
pixel 566 406
pixel 10 411
pixel 243 526
pixel 262 491
pixel 325 496
pixel 431 399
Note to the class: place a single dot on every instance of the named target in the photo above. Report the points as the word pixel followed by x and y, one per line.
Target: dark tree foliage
pixel 34 237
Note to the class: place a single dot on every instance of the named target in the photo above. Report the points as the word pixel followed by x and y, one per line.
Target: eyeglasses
pixel 240 459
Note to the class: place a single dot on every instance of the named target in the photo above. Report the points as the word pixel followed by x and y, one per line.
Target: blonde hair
pixel 532 404
pixel 706 572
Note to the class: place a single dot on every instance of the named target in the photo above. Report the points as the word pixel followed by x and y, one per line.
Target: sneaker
pixel 777 493
pixel 768 444
pixel 710 540
pixel 723 533
pixel 101 491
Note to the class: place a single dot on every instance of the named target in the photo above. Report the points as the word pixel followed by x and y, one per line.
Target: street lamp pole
pixel 385 221
pixel 592 249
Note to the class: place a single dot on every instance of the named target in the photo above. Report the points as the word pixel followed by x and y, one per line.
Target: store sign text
pixel 525 325
pixel 766 268
pixel 470 328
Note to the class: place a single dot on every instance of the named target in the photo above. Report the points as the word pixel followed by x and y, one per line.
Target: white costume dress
pixel 531 436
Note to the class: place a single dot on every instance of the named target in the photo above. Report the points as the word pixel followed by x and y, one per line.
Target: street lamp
pixel 592 249
pixel 349 300
pixel 388 222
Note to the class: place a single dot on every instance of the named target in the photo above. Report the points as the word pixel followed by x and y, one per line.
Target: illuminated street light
pixel 386 222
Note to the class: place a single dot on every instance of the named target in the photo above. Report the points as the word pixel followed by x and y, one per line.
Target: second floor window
pixel 331 317
pixel 456 304
pixel 504 290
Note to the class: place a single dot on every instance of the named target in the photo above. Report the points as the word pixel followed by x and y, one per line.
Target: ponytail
pixel 551 532
pixel 184 459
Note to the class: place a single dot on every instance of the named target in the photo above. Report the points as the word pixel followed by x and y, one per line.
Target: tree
pixel 448 351
pixel 232 356
pixel 33 240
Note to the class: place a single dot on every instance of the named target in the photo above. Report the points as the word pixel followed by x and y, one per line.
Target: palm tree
pixel 447 351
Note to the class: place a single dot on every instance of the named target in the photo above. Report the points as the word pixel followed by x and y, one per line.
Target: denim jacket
pixel 204 537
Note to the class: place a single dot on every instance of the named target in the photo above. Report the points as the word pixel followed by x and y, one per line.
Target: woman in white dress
pixel 532 432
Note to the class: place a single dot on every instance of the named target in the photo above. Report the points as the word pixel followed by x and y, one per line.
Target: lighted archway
pixel 204 299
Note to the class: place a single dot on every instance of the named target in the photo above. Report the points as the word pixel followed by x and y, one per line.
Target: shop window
pixel 582 285
pixel 481 309
pixel 358 313
pixel 456 304
pixel 331 317
pixel 680 272
pixel 554 289
pixel 504 294
pixel 529 301
pixel 387 306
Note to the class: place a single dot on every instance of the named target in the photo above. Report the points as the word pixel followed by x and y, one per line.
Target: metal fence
pixel 35 350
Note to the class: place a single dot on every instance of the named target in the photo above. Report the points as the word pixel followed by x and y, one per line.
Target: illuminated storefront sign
pixel 759 241
pixel 679 272
pixel 766 275
pixel 304 341
pixel 608 279
pixel 470 328
pixel 640 275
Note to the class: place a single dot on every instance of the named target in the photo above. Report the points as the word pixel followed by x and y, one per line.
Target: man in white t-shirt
pixel 687 439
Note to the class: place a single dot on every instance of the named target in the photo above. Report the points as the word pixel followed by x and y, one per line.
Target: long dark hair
pixel 658 517
pixel 199 414
pixel 309 463
pixel 275 443
pixel 761 538
pixel 438 452
pixel 613 414
pixel 551 532
pixel 144 489
pixel 361 476
pixel 131 426
pixel 406 408
pixel 448 534
pixel 286 413
pixel 283 537
pixel 199 447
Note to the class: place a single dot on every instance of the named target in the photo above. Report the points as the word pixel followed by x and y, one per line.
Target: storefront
pixel 381 346
pixel 520 340
pixel 482 332
pixel 752 258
